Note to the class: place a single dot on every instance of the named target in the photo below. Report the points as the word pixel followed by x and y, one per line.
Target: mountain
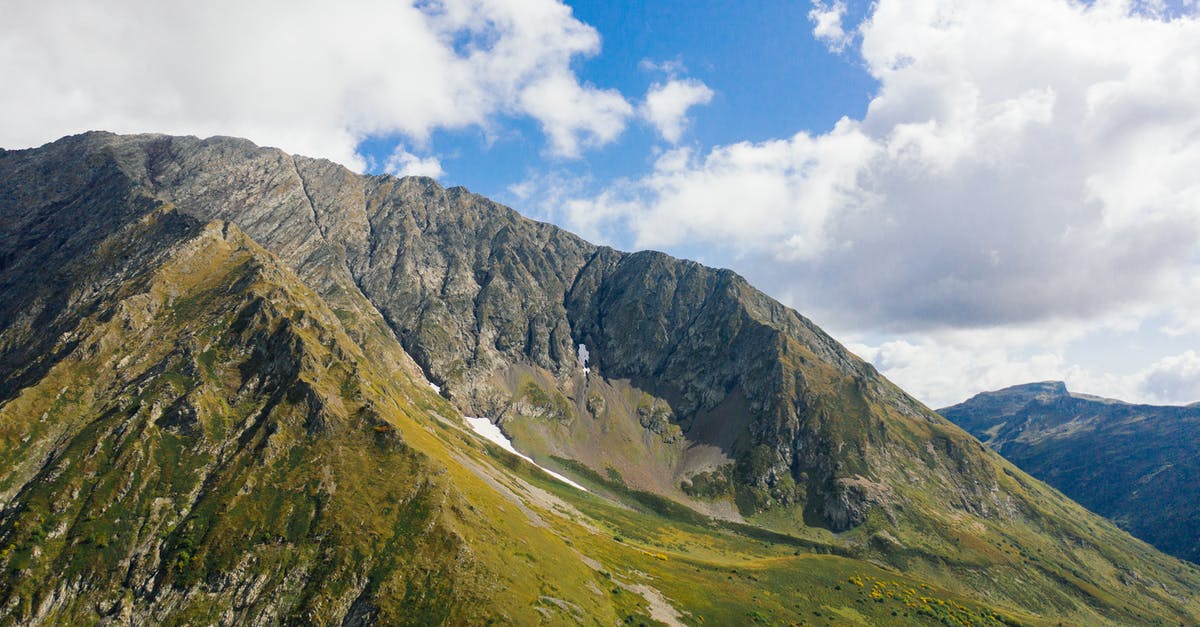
pixel 218 366
pixel 1135 464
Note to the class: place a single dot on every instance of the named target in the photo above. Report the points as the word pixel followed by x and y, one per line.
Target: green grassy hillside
pixel 196 428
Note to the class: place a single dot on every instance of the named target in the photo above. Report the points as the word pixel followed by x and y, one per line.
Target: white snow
pixel 436 388
pixel 484 427
pixel 583 358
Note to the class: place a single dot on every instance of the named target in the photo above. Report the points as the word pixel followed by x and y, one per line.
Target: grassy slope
pixel 1014 541
pixel 595 421
pixel 218 448
pixel 1007 537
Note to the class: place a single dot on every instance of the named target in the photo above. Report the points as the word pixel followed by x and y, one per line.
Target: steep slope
pixel 702 389
pixel 1135 464
pixel 216 447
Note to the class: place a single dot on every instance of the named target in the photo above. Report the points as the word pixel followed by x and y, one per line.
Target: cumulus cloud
pixel 307 76
pixel 667 104
pixel 1020 161
pixel 1173 379
pixel 827 24
pixel 404 163
pixel 575 116
pixel 747 192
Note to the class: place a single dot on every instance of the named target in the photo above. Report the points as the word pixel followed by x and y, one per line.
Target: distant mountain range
pixel 1136 464
pixel 233 389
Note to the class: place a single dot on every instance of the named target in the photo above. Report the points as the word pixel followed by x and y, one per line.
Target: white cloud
pixel 946 368
pixel 1173 379
pixel 1182 319
pixel 559 196
pixel 523 190
pixel 1021 161
pixel 670 67
pixel 310 77
pixel 575 116
pixel 743 192
pixel 941 375
pixel 827 24
pixel 404 163
pixel 667 104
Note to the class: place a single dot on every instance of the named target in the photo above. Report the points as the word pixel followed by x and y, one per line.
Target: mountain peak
pixel 1009 400
pixel 1046 389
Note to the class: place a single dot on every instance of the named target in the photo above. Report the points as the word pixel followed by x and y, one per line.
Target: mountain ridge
pixel 704 391
pixel 488 265
pixel 1131 462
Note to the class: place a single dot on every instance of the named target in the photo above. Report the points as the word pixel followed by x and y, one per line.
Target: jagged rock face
pixel 49 259
pixel 468 285
pixel 1136 464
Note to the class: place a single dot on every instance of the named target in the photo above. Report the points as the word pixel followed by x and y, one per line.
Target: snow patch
pixel 484 427
pixel 582 353
pixel 436 388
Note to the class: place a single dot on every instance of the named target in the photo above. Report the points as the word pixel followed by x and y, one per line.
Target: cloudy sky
pixel 968 194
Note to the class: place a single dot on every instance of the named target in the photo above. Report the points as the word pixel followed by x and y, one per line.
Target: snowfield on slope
pixel 485 427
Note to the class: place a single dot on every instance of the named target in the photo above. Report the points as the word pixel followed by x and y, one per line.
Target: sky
pixel 967 194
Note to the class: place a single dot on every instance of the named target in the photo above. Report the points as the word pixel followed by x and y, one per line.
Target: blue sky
pixel 803 87
pixel 967 194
